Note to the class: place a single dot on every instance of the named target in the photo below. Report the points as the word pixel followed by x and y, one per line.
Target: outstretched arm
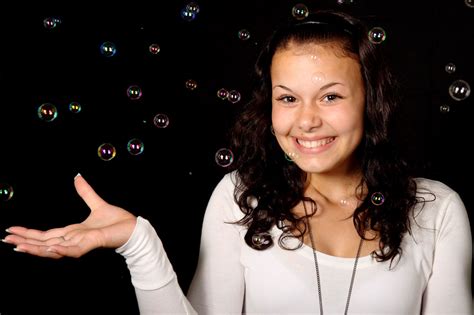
pixel 106 226
pixel 153 277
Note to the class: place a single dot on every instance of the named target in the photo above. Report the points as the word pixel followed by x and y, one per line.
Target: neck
pixel 336 188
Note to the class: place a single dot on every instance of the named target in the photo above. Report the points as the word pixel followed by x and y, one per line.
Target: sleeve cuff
pixel 146 258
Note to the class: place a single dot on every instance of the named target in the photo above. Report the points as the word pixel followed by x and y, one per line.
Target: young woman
pixel 318 216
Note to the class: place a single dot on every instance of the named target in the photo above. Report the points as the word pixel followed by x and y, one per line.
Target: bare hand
pixel 106 226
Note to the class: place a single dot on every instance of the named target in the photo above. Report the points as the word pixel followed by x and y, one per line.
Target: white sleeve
pixel 218 284
pixel 449 287
pixel 152 274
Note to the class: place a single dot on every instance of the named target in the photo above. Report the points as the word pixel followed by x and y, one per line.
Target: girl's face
pixel 318 103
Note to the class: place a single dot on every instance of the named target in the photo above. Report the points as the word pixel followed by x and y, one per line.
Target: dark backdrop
pixel 171 181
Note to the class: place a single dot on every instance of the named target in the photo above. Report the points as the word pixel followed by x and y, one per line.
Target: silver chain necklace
pixel 317 270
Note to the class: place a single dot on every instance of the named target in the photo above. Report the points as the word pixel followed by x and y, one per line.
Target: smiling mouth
pixel 315 143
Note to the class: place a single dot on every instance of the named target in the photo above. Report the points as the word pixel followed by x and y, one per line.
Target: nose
pixel 309 118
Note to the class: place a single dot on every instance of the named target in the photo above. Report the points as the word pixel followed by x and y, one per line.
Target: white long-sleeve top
pixel 433 275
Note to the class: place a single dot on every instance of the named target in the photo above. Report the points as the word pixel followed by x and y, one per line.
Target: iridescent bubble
pixel 315 57
pixel 222 94
pixel 377 35
pixel 450 68
pixel 344 202
pixel 75 107
pixel 154 49
pixel 51 22
pixel 47 112
pixel 108 49
pixel 233 96
pixel 444 109
pixel 224 157
pixel 193 7
pixel 377 198
pixel 106 151
pixel 191 84
pixel 282 225
pixel 318 77
pixel 469 3
pixel 459 90
pixel 291 156
pixel 161 120
pixel 134 92
pixel 300 11
pixel 188 15
pixel 243 34
pixel 261 239
pixel 135 146
pixel 6 192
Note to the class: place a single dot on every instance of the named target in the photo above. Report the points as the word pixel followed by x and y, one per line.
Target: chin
pixel 311 167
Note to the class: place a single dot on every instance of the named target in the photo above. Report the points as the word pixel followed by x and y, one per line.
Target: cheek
pixel 349 126
pixel 281 121
pixel 281 127
pixel 352 129
pixel 347 121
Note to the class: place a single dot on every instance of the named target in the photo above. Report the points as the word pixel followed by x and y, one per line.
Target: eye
pixel 286 99
pixel 331 98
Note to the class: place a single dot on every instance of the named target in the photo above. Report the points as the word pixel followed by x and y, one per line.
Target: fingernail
pixel 4 240
pixel 51 250
pixel 7 230
pixel 78 174
pixel 16 249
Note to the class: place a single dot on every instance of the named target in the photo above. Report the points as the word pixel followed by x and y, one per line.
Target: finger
pixel 27 233
pixel 38 234
pixel 74 251
pixel 56 240
pixel 41 251
pixel 16 240
pixel 87 193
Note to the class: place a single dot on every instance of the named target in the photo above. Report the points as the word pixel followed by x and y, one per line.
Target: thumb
pixel 87 193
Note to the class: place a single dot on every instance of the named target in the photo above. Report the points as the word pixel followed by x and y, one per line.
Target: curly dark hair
pixel 269 185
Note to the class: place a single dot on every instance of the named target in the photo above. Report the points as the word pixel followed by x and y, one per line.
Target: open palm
pixel 106 226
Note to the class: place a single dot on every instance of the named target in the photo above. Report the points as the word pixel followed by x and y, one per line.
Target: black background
pixel 170 183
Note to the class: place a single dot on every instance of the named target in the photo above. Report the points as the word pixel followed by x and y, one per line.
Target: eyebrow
pixel 324 87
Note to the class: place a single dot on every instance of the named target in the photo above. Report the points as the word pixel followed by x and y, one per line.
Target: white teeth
pixel 315 144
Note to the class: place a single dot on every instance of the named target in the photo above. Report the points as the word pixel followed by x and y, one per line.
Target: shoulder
pixel 438 204
pixel 435 187
pixel 436 193
pixel 227 183
pixel 222 201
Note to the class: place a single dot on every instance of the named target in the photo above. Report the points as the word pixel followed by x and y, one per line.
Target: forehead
pixel 303 58
pixel 316 63
pixel 315 49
